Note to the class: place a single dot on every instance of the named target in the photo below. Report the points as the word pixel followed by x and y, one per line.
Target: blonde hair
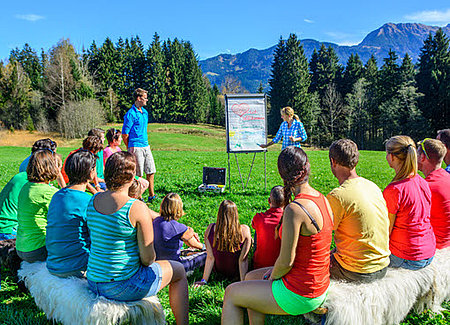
pixel 135 190
pixel 228 234
pixel 171 207
pixel 288 111
pixel 404 148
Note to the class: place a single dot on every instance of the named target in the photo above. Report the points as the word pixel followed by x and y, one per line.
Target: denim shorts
pixel 407 264
pixel 145 282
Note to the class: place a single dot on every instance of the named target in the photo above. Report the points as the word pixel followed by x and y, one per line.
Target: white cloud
pixel 309 21
pixel 344 39
pixel 430 16
pixel 30 17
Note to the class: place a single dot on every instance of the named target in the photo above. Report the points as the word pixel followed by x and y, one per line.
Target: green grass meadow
pixel 180 152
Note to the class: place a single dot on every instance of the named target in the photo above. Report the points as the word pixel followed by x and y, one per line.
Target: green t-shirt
pixel 8 203
pixel 34 199
pixel 99 165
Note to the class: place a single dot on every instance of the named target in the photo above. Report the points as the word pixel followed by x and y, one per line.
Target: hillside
pixel 253 66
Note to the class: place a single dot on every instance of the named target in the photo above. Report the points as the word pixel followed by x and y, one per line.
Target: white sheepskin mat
pixel 389 300
pixel 70 302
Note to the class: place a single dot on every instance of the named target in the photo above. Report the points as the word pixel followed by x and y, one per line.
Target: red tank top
pixel 310 274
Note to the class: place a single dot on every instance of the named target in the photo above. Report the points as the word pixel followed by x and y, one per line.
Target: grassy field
pixel 180 152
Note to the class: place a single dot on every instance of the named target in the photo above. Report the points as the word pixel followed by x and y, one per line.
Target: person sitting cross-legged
pixel 361 222
pixel 430 154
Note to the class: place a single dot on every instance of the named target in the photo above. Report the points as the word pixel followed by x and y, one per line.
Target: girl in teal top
pixel 34 199
pixel 67 239
pixel 122 263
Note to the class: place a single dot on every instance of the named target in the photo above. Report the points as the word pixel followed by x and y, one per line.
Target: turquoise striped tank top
pixel 114 253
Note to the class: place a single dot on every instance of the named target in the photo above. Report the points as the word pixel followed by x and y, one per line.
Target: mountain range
pixel 253 66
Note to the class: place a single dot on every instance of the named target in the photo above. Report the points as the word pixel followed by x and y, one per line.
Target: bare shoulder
pixel 246 231
pixel 139 210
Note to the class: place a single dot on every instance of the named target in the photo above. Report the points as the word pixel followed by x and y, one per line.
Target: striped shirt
pixel 114 252
pixel 296 130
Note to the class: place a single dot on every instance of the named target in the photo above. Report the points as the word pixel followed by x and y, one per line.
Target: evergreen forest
pixel 69 92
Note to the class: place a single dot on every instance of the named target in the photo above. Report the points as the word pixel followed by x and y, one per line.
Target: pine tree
pixel 278 93
pixel 195 91
pixel 155 81
pixel 289 81
pixel 433 80
pixel 389 80
pixel 15 90
pixel 371 75
pixel 407 71
pixel 176 104
pixel 353 72
pixel 327 70
pixel 31 64
pixel 260 88
pixel 357 112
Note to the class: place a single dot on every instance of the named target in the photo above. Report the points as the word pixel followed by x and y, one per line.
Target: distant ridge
pixel 253 66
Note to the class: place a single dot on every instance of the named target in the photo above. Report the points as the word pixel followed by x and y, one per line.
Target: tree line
pixel 70 92
pixel 361 101
pixel 41 91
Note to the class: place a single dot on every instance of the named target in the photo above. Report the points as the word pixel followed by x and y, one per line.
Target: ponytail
pixel 403 147
pixel 296 117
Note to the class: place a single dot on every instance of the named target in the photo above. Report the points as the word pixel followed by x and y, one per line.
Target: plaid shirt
pixel 296 130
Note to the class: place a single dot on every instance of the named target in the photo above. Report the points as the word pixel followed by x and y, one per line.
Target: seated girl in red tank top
pixel 299 280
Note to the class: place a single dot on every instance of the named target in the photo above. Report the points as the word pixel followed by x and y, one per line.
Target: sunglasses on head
pixel 422 145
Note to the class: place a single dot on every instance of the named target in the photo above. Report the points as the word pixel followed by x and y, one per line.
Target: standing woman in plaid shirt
pixel 291 130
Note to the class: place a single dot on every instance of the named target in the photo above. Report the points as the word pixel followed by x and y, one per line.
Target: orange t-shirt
pixel 63 170
pixel 310 274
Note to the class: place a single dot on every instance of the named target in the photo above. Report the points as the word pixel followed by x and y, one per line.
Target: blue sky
pixel 213 27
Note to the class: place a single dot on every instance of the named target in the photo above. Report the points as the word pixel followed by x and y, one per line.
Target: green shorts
pixel 292 303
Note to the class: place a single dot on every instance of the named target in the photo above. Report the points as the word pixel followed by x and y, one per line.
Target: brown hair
pixel 435 150
pixel 113 134
pixel 277 196
pixel 42 166
pixel 139 92
pixel 344 152
pixel 444 136
pixel 288 111
pixel 228 234
pixel 171 207
pixel 44 144
pixel 135 190
pixel 93 143
pixel 404 148
pixel 294 169
pixel 120 169
pixel 97 132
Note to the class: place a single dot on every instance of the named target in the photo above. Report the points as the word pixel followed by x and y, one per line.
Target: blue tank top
pixel 114 252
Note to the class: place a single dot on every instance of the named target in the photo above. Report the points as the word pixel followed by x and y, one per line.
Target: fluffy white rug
pixel 389 300
pixel 70 302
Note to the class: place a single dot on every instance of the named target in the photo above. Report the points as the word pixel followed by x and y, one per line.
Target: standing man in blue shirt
pixel 134 135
